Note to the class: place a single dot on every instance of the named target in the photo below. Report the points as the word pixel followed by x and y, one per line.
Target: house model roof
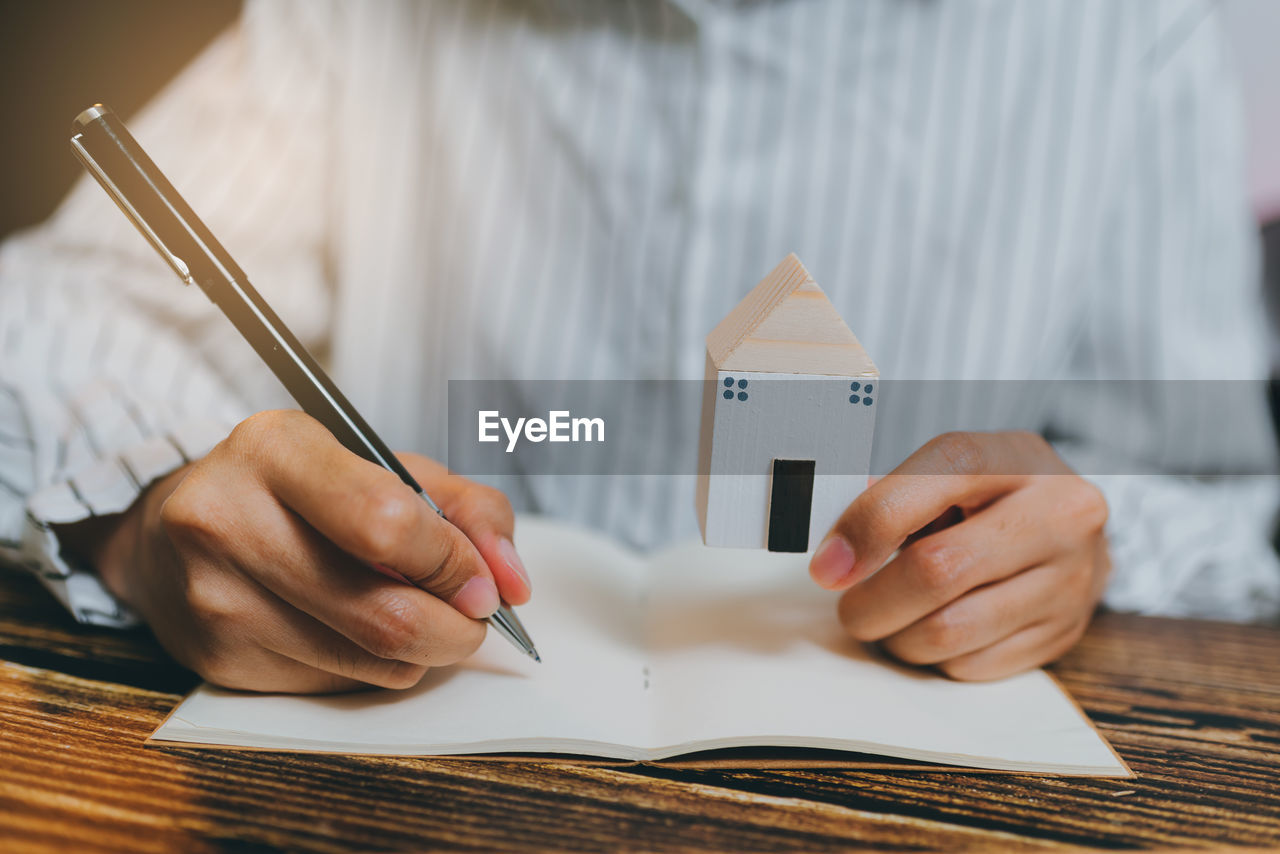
pixel 786 325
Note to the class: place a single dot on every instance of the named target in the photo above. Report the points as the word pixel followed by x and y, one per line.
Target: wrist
pixel 89 542
pixel 113 546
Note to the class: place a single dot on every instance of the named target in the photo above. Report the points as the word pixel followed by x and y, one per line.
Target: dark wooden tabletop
pixel 1193 707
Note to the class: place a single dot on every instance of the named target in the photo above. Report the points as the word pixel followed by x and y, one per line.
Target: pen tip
pixel 535 655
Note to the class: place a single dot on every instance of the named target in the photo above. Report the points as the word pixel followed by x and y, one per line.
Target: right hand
pixel 255 566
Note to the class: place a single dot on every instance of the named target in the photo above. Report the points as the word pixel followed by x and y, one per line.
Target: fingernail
pixel 507 551
pixel 478 598
pixel 832 562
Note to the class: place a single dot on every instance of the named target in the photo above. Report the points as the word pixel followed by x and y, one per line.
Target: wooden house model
pixel 788 414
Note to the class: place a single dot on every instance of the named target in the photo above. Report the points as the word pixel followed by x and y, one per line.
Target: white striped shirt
pixel 554 189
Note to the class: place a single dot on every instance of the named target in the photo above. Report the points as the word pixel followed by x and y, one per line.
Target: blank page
pixel 747 650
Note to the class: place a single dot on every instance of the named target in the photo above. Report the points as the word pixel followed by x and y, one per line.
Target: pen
pixel 111 154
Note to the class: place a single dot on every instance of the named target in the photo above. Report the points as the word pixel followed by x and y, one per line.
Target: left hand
pixel 1001 557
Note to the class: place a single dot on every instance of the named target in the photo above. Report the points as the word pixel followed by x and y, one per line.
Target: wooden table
pixel 1194 707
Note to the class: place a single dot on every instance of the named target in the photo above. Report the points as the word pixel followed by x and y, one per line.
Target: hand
pixel 1001 557
pixel 253 565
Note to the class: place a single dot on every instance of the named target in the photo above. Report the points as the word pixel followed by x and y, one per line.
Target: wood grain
pixel 1194 708
pixel 786 324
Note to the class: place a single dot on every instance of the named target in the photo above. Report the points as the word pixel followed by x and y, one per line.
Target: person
pixel 435 191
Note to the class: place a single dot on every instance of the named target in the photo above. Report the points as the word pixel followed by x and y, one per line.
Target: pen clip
pixel 179 266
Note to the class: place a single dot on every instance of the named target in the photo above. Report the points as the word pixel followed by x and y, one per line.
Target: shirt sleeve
pixel 1182 444
pixel 111 373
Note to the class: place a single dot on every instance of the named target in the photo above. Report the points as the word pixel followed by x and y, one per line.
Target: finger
pixel 482 513
pixel 950 517
pixel 237 616
pixel 388 619
pixel 1009 536
pixel 217 635
pixel 980 618
pixel 1032 647
pixel 262 670
pixel 365 510
pixel 294 677
pixel 965 470
pixel 300 638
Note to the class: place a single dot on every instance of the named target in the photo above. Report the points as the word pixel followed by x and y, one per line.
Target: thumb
pixel 484 515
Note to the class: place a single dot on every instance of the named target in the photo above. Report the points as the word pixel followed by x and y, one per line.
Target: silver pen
pixel 111 154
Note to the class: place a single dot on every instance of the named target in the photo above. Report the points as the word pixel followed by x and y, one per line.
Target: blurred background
pixel 59 56
pixel 1253 30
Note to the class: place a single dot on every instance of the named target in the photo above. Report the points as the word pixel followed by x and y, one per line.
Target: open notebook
pixel 649 657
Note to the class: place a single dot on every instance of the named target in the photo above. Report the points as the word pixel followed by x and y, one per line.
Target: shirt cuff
pixel 1188 548
pixel 106 487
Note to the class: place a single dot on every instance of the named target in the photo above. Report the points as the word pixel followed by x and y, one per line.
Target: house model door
pixel 790 505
